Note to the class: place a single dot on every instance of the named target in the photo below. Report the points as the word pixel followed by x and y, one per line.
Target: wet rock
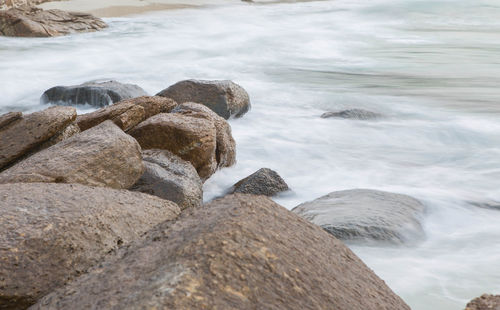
pixel 225 98
pixel 169 177
pixel 23 135
pixel 352 114
pixel 485 302
pixel 239 252
pixel 101 156
pixel 127 113
pixel 9 118
pixel 35 22
pixel 365 215
pixel 51 233
pixel 94 93
pixel 262 182
pixel 487 204
pixel 192 139
pixel 225 151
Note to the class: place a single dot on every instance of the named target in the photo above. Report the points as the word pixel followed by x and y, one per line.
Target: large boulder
pixel 239 252
pixel 358 114
pixel 101 156
pixel 225 98
pixel 51 233
pixel 169 177
pixel 192 139
pixel 225 151
pixel 8 118
pixel 35 22
pixel 363 215
pixel 127 113
pixel 262 182
pixel 485 302
pixel 94 93
pixel 20 135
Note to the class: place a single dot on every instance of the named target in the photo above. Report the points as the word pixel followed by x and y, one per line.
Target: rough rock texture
pixel 101 156
pixel 50 233
pixel 192 139
pixel 352 114
pixel 485 302
pixel 225 98
pixel 262 182
pixel 240 252
pixel 366 215
pixel 22 135
pixel 35 22
pixel 127 113
pixel 8 118
pixel 225 151
pixel 169 177
pixel 94 93
pixel 7 4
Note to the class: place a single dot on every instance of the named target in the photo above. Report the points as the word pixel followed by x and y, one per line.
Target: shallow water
pixel 431 67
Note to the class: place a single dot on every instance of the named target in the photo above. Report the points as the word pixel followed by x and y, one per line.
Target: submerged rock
pixel 364 215
pixel 239 252
pixel 20 135
pixel 225 98
pixel 352 114
pixel 35 22
pixel 262 182
pixel 169 177
pixel 94 93
pixel 101 156
pixel 485 302
pixel 51 233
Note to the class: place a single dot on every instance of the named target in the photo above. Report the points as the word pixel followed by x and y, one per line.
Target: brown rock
pixel 51 233
pixel 226 146
pixel 485 302
pixel 32 130
pixel 192 139
pixel 262 182
pixel 239 252
pixel 6 4
pixel 169 177
pixel 153 104
pixel 101 156
pixel 35 22
pixel 225 98
pixel 9 118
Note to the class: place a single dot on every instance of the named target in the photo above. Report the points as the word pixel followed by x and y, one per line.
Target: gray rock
pixel 352 114
pixel 484 302
pixel 262 182
pixel 362 215
pixel 169 177
pixel 225 98
pixel 94 93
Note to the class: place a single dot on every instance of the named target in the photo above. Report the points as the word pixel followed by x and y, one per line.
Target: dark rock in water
pixel 21 134
pixel 169 177
pixel 486 204
pixel 9 118
pixel 225 98
pixel 262 182
pixel 485 302
pixel 95 93
pixel 35 22
pixel 239 252
pixel 364 215
pixel 51 233
pixel 352 114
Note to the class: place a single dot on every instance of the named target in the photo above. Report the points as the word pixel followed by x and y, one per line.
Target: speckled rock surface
pixel 485 302
pixel 262 182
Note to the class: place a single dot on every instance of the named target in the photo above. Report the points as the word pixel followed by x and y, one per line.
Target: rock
pixel 366 215
pixel 101 156
pixel 35 22
pixel 127 113
pixel 25 134
pixel 94 93
pixel 225 98
pixel 169 177
pixel 262 182
pixel 9 118
pixel 51 233
pixel 486 204
pixel 239 252
pixel 485 302
pixel 192 139
pixel 7 4
pixel 352 114
pixel 225 151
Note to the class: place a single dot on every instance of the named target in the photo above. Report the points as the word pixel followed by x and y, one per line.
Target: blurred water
pixel 431 67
